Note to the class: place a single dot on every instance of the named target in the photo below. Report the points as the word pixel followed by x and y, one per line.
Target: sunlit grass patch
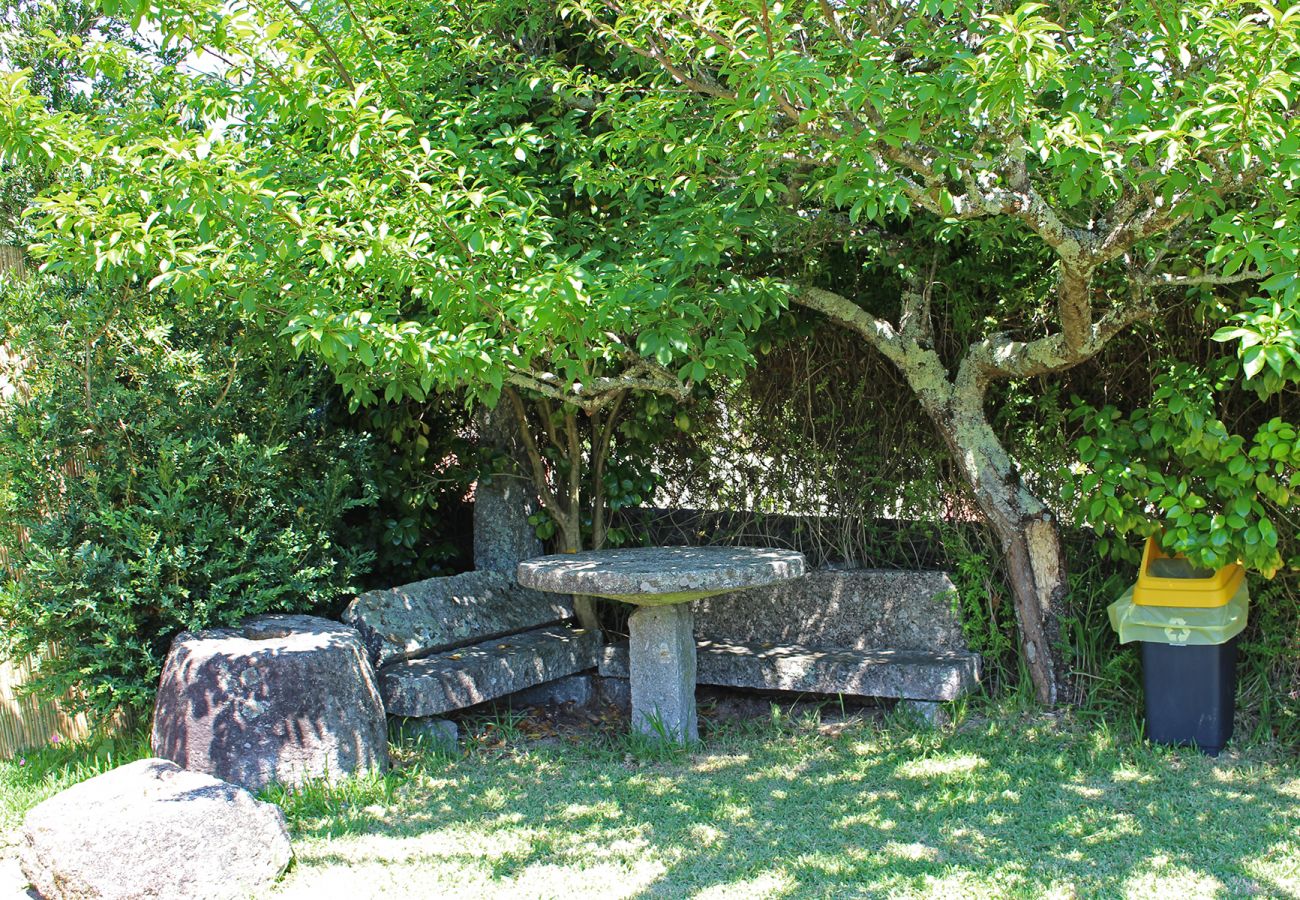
pixel 1003 808
pixel 942 767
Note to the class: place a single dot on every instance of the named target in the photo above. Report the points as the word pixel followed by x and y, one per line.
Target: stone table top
pixel 656 576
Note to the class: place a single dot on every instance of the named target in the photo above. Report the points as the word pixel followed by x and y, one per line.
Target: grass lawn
pixel 1000 806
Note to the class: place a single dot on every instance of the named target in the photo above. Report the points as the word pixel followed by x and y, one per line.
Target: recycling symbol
pixel 1177 632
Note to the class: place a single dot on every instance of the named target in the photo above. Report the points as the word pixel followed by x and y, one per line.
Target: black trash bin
pixel 1190 693
pixel 1188 621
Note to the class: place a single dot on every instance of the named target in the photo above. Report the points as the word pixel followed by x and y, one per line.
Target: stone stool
pixel 280 699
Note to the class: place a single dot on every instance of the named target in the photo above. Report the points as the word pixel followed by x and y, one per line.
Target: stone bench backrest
pixel 439 614
pixel 861 609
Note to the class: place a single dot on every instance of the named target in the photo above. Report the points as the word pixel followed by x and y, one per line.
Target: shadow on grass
pixel 1003 809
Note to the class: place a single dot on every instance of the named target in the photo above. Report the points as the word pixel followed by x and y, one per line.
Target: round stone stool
pixel 280 699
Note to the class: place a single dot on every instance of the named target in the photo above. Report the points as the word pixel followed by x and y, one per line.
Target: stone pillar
pixel 662 662
pixel 502 536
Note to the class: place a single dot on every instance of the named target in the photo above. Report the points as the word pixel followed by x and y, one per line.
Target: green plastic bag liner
pixel 1179 625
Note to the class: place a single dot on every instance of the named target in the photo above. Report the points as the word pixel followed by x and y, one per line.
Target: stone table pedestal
pixel 661 582
pixel 661 658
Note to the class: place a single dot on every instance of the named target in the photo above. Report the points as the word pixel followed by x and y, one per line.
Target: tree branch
pixel 603 431
pixel 602 390
pixel 398 96
pixel 828 13
pixel 1000 356
pixel 914 322
pixel 659 56
pixel 535 462
pixel 1206 279
pixel 326 44
pixel 574 453
pixel 879 333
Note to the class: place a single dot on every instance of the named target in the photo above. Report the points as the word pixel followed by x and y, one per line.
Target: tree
pixel 1135 152
pixel 478 196
pixel 393 187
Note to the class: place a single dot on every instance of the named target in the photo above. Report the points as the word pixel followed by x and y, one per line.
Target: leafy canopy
pixel 1140 155
pixel 400 190
pixel 433 195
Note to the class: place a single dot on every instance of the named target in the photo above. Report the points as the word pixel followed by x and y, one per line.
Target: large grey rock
pixel 443 613
pixel 485 671
pixel 856 609
pixel 908 674
pixel 502 504
pixel 660 575
pixel 152 830
pixel 662 670
pixel 280 699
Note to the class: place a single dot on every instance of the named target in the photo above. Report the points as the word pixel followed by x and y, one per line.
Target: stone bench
pixel 445 644
pixel 449 643
pixel 853 632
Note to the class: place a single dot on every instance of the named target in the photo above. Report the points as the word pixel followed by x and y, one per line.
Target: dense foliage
pixel 158 478
pixel 397 198
pixel 591 213
pixel 405 195
pixel 1118 158
pixel 423 461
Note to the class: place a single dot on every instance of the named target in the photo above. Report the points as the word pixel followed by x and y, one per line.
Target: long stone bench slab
pixel 861 609
pixel 436 614
pixel 447 643
pixel 855 632
pixel 901 674
pixel 485 671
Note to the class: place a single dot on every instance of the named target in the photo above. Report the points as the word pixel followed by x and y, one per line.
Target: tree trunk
pixel 1024 525
pixel 1025 528
pixel 567 513
pixel 584 607
pixel 1036 568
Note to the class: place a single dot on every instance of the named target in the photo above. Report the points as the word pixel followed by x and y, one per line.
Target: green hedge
pixel 169 471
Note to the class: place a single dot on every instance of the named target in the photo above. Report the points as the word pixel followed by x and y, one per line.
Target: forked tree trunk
pixel 563 502
pixel 955 403
pixel 1026 530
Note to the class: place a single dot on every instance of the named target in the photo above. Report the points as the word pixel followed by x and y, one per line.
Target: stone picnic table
pixel 661 582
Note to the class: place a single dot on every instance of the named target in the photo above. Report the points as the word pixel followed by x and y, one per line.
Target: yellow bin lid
pixel 1173 581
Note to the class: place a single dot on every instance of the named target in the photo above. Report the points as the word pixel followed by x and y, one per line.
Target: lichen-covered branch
pixel 1000 356
pixel 878 332
pixel 602 390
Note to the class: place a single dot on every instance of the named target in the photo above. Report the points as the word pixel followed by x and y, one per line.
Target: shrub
pixel 166 473
pixel 423 464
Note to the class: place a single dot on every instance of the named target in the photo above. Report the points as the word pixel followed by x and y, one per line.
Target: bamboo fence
pixel 26 721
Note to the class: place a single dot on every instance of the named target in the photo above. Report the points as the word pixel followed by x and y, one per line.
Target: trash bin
pixel 1173 581
pixel 1189 650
